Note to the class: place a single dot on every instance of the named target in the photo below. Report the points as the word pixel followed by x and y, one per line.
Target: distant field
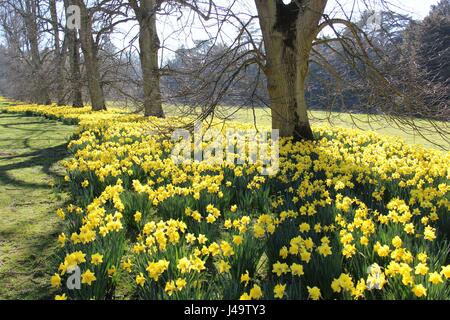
pixel 360 121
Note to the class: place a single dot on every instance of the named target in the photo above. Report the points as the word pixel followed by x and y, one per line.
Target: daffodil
pixel 126 265
pixel 138 216
pixel 278 291
pixel 96 259
pixel 245 278
pixel 446 271
pixel 297 269
pixel 55 281
pixel 419 290
pixel 421 269
pixel 435 278
pixel 256 292
pixel 140 279
pixel 280 268
pixel 88 277
pixel 314 293
pixel 224 266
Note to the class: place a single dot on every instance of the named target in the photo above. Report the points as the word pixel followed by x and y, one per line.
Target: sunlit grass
pixel 30 148
pixel 262 118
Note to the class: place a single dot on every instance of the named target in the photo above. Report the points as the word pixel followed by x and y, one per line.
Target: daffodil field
pixel 352 215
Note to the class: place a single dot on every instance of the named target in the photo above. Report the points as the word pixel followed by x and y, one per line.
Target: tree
pixel 31 25
pixel 433 46
pixel 75 79
pixel 288 32
pixel 188 84
pixel 90 54
pixel 149 45
pixel 59 54
pixel 145 12
pixel 291 36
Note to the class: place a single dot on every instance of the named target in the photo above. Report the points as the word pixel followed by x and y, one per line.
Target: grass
pixel 365 122
pixel 357 121
pixel 30 148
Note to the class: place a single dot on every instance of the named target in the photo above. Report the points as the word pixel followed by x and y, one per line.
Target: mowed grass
pixel 428 136
pixel 30 148
pixel 381 125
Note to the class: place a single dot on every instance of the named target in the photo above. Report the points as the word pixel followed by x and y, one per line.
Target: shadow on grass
pixel 33 268
pixel 44 158
pixel 29 152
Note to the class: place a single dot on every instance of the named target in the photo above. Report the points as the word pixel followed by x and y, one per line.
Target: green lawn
pixel 375 123
pixel 358 121
pixel 30 148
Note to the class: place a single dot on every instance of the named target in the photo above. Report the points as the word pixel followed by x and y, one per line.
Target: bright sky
pixel 417 8
pixel 174 34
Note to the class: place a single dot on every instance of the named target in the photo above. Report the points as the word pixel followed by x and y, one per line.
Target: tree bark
pixel 149 46
pixel 40 84
pixel 59 78
pixel 90 52
pixel 288 33
pixel 73 45
pixel 75 73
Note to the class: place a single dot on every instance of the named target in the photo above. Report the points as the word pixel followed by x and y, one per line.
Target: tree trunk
pixel 288 32
pixel 149 46
pixel 75 73
pixel 40 88
pixel 59 78
pixel 73 45
pixel 90 49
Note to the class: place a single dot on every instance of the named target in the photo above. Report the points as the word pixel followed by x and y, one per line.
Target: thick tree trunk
pixel 73 45
pixel 75 73
pixel 89 49
pixel 59 78
pixel 40 85
pixel 149 46
pixel 288 33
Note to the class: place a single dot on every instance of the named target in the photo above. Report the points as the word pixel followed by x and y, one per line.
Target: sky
pixel 418 8
pixel 174 33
